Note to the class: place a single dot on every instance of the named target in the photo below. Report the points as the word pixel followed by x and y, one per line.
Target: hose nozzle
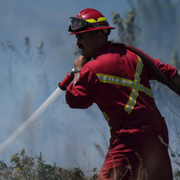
pixel 67 80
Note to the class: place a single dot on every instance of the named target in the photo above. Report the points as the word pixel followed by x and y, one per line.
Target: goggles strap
pixel 81 24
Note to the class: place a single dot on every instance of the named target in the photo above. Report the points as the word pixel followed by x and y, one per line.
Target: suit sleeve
pixel 168 70
pixel 81 93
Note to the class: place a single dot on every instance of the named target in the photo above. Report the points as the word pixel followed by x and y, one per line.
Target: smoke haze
pixel 30 72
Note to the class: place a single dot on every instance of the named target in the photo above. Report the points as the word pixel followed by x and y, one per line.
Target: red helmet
pixel 88 20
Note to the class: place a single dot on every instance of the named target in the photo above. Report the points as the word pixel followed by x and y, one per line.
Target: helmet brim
pixel 93 29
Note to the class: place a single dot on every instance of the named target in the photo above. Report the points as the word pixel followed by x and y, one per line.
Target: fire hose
pixel 67 80
pixel 146 61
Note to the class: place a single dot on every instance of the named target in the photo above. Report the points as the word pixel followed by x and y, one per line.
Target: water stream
pixel 32 118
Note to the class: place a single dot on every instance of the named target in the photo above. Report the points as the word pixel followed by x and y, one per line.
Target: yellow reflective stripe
pixel 131 101
pixel 146 90
pixel 135 85
pixel 100 19
pixel 114 80
pixel 106 116
pixel 134 93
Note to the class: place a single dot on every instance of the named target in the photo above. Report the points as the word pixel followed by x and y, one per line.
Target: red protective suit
pixel 118 82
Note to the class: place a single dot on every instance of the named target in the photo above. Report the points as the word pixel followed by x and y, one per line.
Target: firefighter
pixel 117 80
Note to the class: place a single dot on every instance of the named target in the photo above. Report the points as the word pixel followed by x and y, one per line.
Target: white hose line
pixel 33 117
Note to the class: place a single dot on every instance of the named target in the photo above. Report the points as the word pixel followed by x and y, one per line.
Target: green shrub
pixel 23 167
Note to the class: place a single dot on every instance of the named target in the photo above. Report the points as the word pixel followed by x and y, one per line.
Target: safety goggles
pixel 77 24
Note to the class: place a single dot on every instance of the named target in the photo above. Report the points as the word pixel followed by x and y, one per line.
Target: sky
pixel 28 79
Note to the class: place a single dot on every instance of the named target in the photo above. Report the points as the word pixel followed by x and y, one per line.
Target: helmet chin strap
pixel 147 61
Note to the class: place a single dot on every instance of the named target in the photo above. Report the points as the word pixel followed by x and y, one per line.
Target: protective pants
pixel 137 153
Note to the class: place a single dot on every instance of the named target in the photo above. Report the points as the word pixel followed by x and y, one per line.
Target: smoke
pixel 26 113
pixel 159 24
pixel 35 55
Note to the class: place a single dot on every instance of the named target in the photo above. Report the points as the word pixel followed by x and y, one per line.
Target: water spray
pixel 62 86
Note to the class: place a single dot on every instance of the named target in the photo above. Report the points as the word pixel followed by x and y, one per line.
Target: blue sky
pixel 60 133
